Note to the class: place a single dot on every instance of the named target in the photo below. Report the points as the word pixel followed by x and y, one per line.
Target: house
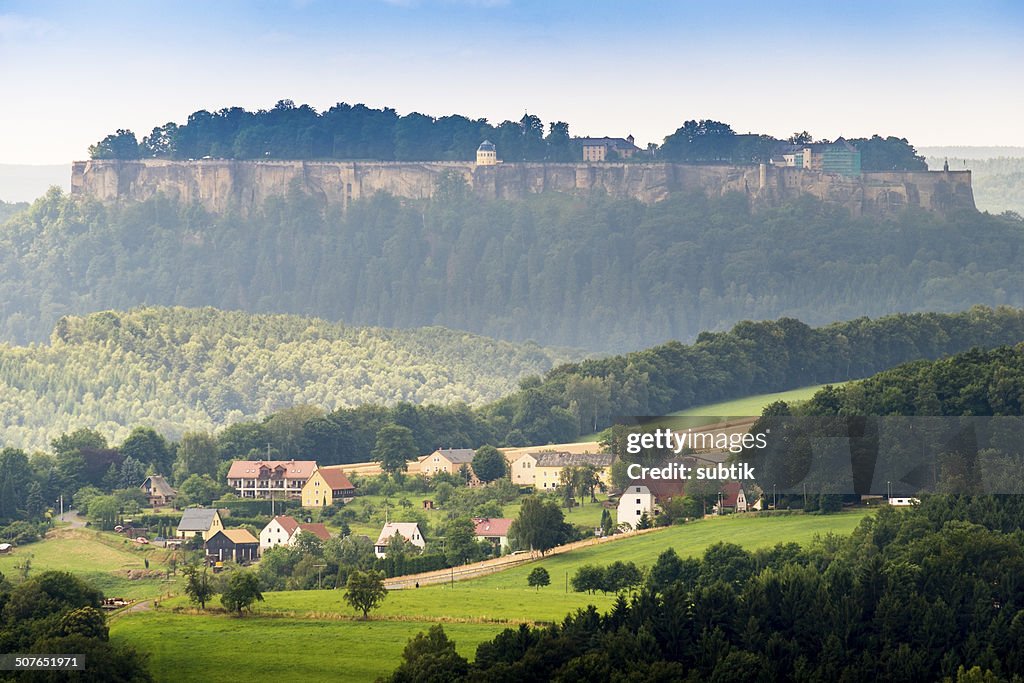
pixel 605 149
pixel 523 469
pixel 233 544
pixel 646 496
pixel 492 530
pixel 410 531
pixel 203 522
pixel 284 530
pixel 448 460
pixel 549 467
pixel 158 490
pixel 326 486
pixel 278 479
pixel 732 498
pixel 635 502
pixel 486 154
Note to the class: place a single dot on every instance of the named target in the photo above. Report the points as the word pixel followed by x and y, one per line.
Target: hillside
pixel 176 369
pixel 598 273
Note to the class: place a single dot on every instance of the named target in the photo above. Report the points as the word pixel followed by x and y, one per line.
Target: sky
pixel 937 73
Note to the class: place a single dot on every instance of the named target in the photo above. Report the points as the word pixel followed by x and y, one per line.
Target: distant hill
pixel 176 369
pixel 593 272
pixel 969 152
pixel 24 183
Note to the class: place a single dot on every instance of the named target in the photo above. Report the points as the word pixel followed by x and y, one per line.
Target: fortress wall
pixel 222 184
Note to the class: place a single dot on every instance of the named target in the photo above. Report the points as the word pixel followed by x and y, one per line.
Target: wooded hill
pixel 175 369
pixel 595 273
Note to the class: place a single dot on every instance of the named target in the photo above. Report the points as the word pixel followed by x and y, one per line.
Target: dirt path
pixel 477 569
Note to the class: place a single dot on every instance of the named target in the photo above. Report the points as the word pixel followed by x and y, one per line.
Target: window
pixel 637 501
pixel 638 513
pixel 638 491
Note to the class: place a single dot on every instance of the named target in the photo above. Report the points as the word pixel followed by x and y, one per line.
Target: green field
pixel 104 560
pixel 223 648
pixel 749 406
pixel 334 646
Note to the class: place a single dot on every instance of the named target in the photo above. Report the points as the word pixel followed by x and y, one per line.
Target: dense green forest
pixel 179 369
pixel 927 594
pixel 595 273
pixel 345 131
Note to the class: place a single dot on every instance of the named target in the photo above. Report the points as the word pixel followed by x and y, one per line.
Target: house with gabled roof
pixel 233 544
pixel 327 486
pixel 549 466
pixel 203 522
pixel 284 530
pixel 448 460
pixel 606 148
pixel 732 498
pixel 410 531
pixel 158 491
pixel 280 479
pixel 494 530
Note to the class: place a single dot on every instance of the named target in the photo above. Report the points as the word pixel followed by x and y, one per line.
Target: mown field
pixel 748 406
pixel 334 645
pixel 102 559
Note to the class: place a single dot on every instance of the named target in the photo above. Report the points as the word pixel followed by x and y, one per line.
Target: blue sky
pixel 937 73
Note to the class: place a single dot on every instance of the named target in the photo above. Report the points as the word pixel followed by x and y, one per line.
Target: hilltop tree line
pixel 595 272
pixel 926 594
pixel 346 131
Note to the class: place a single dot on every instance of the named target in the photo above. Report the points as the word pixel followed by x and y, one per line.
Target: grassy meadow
pixel 187 646
pixel 102 559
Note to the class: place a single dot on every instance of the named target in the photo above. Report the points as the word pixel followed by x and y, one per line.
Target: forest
pixel 595 273
pixel 927 594
pixel 177 369
pixel 356 131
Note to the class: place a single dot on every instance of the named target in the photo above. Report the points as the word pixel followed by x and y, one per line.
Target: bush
pixel 20 533
pixel 256 508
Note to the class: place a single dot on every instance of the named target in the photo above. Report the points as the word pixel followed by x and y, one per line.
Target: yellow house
pixel 549 466
pixel 199 521
pixel 325 486
pixel 448 460
pixel 522 469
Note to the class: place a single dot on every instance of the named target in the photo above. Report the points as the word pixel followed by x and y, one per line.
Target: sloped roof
pixel 563 459
pixel 159 486
pixel 457 456
pixel 730 492
pixel 293 469
pixel 335 478
pixel 238 536
pixel 486 526
pixel 318 530
pixel 486 146
pixel 407 529
pixel 288 523
pixel 606 141
pixel 197 519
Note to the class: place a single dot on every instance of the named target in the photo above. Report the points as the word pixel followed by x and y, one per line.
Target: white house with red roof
pixel 732 498
pixel 278 479
pixel 284 530
pixel 493 530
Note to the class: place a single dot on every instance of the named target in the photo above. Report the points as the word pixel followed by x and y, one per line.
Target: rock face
pixel 220 184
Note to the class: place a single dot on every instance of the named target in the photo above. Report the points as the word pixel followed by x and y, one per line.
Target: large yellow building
pixel 544 470
pixel 325 487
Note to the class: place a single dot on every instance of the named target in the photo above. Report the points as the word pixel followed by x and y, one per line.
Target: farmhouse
pixel 327 486
pixel 646 496
pixel 284 530
pixel 732 498
pixel 270 478
pixel 233 544
pixel 158 491
pixel 492 530
pixel 550 465
pixel 523 469
pixel 410 531
pixel 449 460
pixel 203 522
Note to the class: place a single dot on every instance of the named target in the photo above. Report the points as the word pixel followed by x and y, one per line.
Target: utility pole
pixel 319 575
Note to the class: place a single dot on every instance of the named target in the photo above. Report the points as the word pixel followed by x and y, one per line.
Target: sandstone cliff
pixel 221 184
